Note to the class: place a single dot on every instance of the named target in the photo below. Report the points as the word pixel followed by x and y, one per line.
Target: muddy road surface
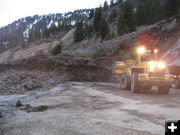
pixel 74 108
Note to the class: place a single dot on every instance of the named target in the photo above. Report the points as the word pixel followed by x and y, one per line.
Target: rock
pixel 56 48
pixel 41 108
pixel 32 85
pixel 19 104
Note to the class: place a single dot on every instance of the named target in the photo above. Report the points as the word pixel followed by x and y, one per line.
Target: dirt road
pixel 86 109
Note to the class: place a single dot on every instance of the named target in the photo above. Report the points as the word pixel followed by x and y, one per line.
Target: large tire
pixel 164 89
pixel 135 84
pixel 175 83
pixel 125 82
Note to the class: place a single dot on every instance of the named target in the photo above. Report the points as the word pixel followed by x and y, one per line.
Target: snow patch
pixel 56 23
pixel 5 43
pixel 73 22
pixel 49 25
pixel 69 15
pixel 24 20
pixel 26 34
pixel 35 21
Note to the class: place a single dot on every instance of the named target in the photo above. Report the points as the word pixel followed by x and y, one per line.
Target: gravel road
pixel 84 108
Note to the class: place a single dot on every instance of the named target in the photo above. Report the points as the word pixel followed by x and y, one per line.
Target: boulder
pixel 56 48
pixel 32 85
pixel 19 104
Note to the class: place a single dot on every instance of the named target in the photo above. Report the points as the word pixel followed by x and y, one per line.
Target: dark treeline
pixel 125 14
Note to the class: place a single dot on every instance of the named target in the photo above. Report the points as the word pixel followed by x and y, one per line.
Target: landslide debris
pixel 43 73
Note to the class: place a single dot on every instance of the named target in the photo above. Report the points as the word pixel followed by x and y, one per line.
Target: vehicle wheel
pixel 125 82
pixel 164 89
pixel 175 84
pixel 135 84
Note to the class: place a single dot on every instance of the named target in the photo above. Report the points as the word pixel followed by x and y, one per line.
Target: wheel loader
pixel 139 76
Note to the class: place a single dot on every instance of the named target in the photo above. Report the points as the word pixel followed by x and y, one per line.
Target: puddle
pixel 29 108
pixel 7 102
pixel 9 99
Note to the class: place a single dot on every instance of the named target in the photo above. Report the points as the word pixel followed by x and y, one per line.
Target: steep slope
pixel 19 31
pixel 172 56
pixel 166 33
pixel 88 60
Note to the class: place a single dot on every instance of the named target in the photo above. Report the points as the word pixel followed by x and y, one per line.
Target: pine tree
pixel 111 3
pixel 153 11
pixel 105 5
pixel 141 13
pixel 149 12
pixel 79 32
pixel 97 19
pixel 112 16
pixel 119 1
pixel 128 15
pixel 91 14
pixel 172 7
pixel 103 30
pixel 126 21
pixel 121 25
pixel 89 30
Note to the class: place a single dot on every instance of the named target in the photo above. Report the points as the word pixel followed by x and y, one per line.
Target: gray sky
pixel 11 10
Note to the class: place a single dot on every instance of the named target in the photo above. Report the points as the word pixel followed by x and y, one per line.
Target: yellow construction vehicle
pixel 140 76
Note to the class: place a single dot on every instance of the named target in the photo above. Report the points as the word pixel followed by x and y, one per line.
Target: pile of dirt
pixel 44 73
pixel 16 81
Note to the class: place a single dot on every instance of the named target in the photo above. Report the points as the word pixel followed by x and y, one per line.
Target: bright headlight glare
pixel 141 50
pixel 161 65
pixel 153 65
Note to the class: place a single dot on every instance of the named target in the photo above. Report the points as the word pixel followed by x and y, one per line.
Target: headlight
pixel 161 65
pixel 152 66
pixel 141 50
pixel 155 65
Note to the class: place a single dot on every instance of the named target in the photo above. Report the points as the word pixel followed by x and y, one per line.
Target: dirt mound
pixel 15 81
pixel 45 72
pixel 74 68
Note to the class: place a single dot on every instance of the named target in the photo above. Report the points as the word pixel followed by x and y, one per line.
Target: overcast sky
pixel 11 10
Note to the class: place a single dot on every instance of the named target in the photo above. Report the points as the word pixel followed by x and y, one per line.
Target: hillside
pixel 116 18
pixel 26 54
pixel 83 61
pixel 32 27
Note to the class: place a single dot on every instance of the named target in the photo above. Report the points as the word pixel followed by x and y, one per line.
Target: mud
pixel 28 108
pixel 83 108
